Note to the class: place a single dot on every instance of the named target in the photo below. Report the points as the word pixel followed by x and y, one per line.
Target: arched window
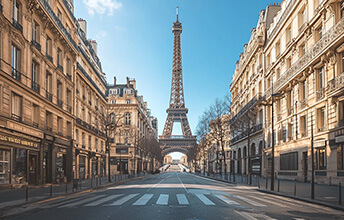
pixel 112 117
pixel 127 118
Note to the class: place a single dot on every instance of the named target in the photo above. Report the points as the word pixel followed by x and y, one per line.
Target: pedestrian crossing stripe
pixel 144 199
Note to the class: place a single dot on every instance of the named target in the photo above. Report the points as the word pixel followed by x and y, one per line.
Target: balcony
pixel 303 103
pixel 59 103
pixel 69 108
pixel 330 37
pixel 290 110
pixel 250 104
pixel 35 87
pixel 320 93
pixel 336 83
pixel 60 67
pixel 36 44
pixel 35 124
pixel 302 27
pixel 17 26
pixel 48 95
pixel 48 128
pixel 69 76
pixel 16 117
pixel 254 129
pixel 16 74
pixel 50 58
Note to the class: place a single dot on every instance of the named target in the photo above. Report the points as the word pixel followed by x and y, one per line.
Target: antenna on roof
pixel 177 13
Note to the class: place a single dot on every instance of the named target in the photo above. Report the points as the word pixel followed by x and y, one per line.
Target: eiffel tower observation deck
pixel 177 112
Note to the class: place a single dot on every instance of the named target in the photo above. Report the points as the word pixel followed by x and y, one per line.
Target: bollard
pixel 258 183
pixel 278 186
pixel 266 186
pixel 295 188
pixel 91 182
pixel 340 193
pixel 51 189
pixel 27 191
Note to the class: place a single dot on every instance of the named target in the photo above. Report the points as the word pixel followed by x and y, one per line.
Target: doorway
pixel 33 165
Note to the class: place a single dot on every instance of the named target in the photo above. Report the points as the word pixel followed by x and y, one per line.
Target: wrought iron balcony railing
pixel 251 103
pixel 59 103
pixel 69 108
pixel 290 110
pixel 48 128
pixel 336 83
pixel 303 103
pixel 48 95
pixel 16 117
pixel 60 67
pixel 35 124
pixel 36 44
pixel 320 93
pixel 69 76
pixel 50 58
pixel 35 87
pixel 16 74
pixel 17 26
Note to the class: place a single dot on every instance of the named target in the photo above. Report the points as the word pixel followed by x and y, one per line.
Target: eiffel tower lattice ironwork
pixel 177 112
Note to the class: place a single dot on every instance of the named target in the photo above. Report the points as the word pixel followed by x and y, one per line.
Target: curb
pixel 49 199
pixel 333 206
pixel 213 178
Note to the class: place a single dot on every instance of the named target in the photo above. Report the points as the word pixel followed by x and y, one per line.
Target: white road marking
pixel 144 199
pixel 252 216
pixel 182 200
pixel 123 200
pixel 250 201
pixel 204 199
pixel 226 200
pixel 269 201
pixel 81 201
pixel 246 215
pixel 183 185
pixel 163 199
pixel 95 203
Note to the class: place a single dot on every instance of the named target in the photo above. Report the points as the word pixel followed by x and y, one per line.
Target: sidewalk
pixel 324 194
pixel 17 197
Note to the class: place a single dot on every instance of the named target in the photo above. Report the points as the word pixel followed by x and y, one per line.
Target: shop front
pixel 19 159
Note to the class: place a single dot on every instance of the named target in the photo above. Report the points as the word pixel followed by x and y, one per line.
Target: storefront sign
pixel 23 129
pixel 340 139
pixel 18 141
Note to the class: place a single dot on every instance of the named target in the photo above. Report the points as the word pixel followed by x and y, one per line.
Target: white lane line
pixel 123 200
pixel 144 199
pixel 246 215
pixel 183 185
pixel 279 200
pixel 182 200
pixel 81 201
pixel 155 185
pixel 204 199
pixel 269 201
pixel 163 199
pixel 95 203
pixel 250 201
pixel 226 200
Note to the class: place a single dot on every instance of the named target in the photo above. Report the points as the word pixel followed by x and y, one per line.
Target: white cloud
pixel 101 34
pixel 102 6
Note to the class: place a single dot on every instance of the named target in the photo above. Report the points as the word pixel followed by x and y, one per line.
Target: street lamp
pixel 277 95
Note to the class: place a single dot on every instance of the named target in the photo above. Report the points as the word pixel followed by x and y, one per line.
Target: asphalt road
pixel 179 196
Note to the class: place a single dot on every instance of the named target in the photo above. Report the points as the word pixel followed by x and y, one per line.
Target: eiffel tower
pixel 177 112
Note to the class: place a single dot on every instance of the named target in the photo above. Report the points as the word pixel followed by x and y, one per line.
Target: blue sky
pixel 135 39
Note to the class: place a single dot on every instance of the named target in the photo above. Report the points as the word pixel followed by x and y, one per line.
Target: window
pixel 89 118
pixel 320 158
pixel 290 102
pixel 340 157
pixel 342 9
pixel 15 63
pixel 48 86
pixel 112 118
pixel 303 90
pixel 126 137
pixel 35 32
pixel 127 101
pixel 89 142
pixel 288 35
pixel 77 137
pixel 17 107
pixel 35 77
pixel 289 161
pixel 268 60
pixel 59 15
pixel 19 161
pixel 83 139
pixel 278 49
pixel 16 11
pixel 302 18
pixel 268 82
pixel 68 70
pixel 49 46
pixel 59 94
pixel 290 131
pixel 68 97
pixel 48 121
pixel 288 62
pixel 36 115
pixel 302 50
pixel 321 119
pixel 59 58
pixel 320 83
pixel 341 114
pixel 69 129
pixel 303 126
pixel 319 33
pixel 59 125
pixel 127 118
pixel 278 73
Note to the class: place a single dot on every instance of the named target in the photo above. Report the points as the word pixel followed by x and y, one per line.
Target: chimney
pixel 128 82
pixel 83 25
pixel 94 46
pixel 114 80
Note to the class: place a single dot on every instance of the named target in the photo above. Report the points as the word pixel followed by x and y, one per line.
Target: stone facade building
pixel 303 65
pixel 135 145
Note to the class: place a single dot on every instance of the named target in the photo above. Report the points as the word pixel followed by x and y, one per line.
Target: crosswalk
pixel 188 199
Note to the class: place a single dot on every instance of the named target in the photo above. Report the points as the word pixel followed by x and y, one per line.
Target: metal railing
pixel 16 74
pixel 48 95
pixel 59 103
pixel 16 117
pixel 320 93
pixel 336 83
pixel 35 87
pixel 36 44
pixel 17 26
pixel 50 58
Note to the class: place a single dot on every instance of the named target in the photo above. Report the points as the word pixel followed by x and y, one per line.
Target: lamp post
pixel 312 154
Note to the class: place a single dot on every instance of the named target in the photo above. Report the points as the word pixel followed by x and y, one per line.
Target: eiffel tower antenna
pixel 177 112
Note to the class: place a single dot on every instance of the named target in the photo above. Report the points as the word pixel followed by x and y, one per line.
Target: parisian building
pixel 135 147
pixel 302 69
pixel 52 94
